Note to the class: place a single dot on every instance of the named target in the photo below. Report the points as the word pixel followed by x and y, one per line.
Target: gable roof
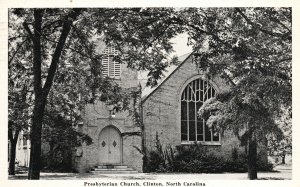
pixel 148 91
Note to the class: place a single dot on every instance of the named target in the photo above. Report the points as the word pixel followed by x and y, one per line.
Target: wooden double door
pixel 110 146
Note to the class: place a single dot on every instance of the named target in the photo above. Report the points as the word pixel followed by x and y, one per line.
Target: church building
pixel 168 112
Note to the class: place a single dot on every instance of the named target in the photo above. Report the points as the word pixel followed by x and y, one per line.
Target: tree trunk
pixel 40 92
pixel 12 149
pixel 35 138
pixel 50 155
pixel 12 153
pixel 252 159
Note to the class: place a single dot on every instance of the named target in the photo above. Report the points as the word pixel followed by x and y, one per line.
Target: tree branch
pixel 157 37
pixel 283 60
pixel 28 31
pixel 229 79
pixel 275 34
pixel 18 48
pixel 68 47
pixel 59 47
pixel 201 31
pixel 56 55
pixel 83 42
pixel 280 23
pixel 19 36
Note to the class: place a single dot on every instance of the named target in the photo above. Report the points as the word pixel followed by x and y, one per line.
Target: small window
pixel 111 68
pixel 24 141
pixel 194 128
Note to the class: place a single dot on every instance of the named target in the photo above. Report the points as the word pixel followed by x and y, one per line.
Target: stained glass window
pixel 194 128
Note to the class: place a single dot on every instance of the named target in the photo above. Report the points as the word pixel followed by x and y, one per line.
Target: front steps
pixel 113 169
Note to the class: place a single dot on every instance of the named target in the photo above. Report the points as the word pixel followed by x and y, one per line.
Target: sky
pixel 180 45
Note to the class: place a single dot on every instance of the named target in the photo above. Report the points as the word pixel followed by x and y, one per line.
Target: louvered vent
pixel 110 67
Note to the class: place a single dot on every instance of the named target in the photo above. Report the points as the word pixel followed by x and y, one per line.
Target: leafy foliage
pixel 61 49
pixel 255 48
pixel 283 146
pixel 142 35
pixel 246 104
pixel 79 71
pixel 62 138
pixel 260 78
pixel 249 47
pixel 20 101
pixel 197 158
pixel 20 95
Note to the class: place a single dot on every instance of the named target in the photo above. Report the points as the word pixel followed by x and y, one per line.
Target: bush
pixel 264 166
pixel 58 161
pixel 197 159
pixel 194 159
pixel 159 159
pixel 153 162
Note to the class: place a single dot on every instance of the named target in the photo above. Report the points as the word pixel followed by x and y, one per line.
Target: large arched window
pixel 194 128
pixel 110 67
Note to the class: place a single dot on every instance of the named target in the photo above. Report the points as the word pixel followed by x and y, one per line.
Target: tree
pixel 53 36
pixel 41 92
pixel 238 44
pixel 19 102
pixel 17 120
pixel 251 49
pixel 62 138
pixel 62 117
pixel 283 146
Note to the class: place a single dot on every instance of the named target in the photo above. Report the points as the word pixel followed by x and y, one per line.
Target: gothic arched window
pixel 194 128
pixel 110 67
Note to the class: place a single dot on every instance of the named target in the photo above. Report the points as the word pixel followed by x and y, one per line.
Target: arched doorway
pixel 110 146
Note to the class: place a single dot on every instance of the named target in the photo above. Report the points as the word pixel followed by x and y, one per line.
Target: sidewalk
pixel 281 173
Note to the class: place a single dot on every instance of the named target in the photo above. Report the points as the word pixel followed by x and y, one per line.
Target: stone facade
pixel 162 112
pixel 97 117
pixel 161 115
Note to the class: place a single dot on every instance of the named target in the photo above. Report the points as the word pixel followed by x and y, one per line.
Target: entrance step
pixel 113 169
pixel 111 166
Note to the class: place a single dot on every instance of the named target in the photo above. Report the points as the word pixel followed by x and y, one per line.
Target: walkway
pixel 282 173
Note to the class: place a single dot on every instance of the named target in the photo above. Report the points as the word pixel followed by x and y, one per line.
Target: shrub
pixel 157 160
pixel 197 159
pixel 194 159
pixel 263 166
pixel 153 162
